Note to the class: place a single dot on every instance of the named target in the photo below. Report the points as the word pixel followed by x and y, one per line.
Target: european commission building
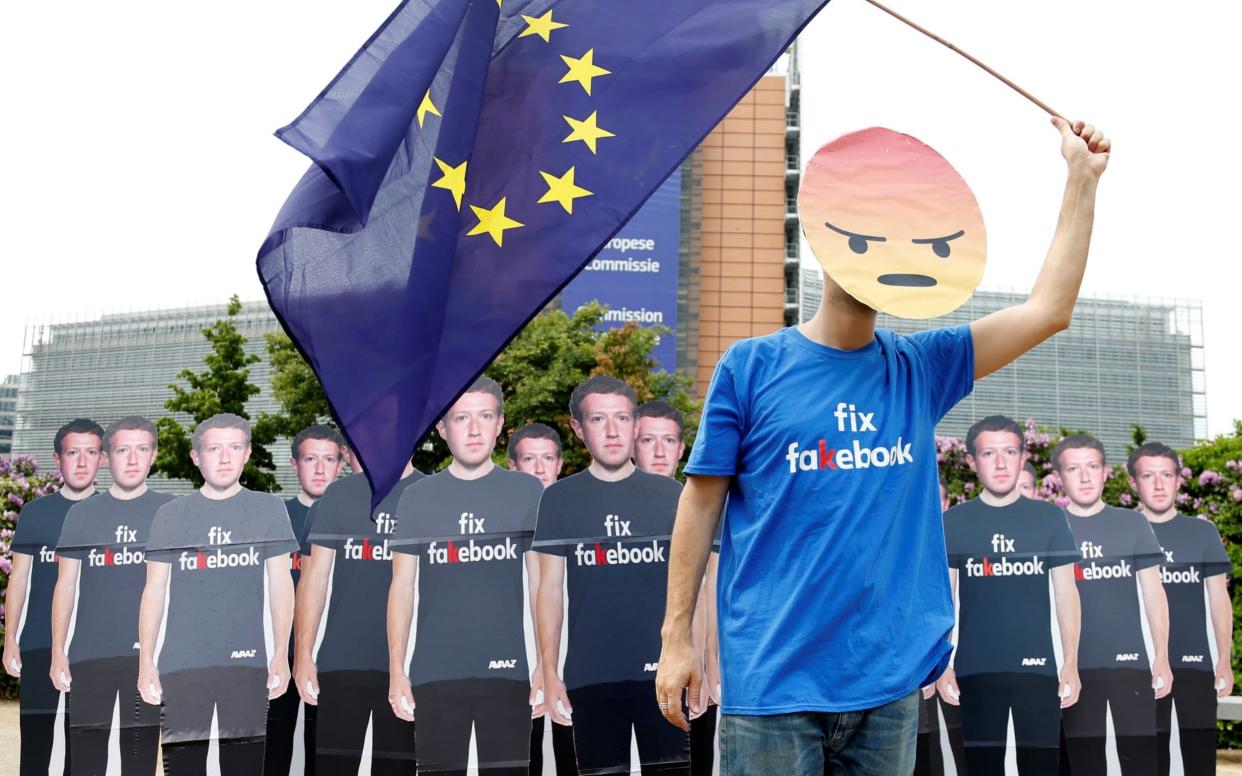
pixel 122 364
pixel 1123 361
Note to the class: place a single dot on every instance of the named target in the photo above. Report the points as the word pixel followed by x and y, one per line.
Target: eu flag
pixel 468 161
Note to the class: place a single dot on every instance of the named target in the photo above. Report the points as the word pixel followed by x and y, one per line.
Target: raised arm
pixel 312 596
pixel 698 510
pixel 14 604
pixel 150 617
pixel 1156 607
pixel 400 615
pixel 64 596
pixel 280 602
pixel 549 613
pixel 1222 628
pixel 1004 335
pixel 1069 621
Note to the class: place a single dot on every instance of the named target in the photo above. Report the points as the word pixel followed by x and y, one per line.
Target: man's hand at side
pixel 946 685
pixel 679 669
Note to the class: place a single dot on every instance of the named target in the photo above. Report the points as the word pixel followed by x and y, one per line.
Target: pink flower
pixel 1061 501
pixel 1236 493
pixel 1208 478
pixel 1185 472
pixel 968 487
pixel 1126 499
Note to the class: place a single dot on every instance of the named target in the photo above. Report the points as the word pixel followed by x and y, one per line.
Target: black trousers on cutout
pixel 1127 694
pixel 238 698
pixel 988 699
pixel 38 702
pixel 497 709
pixel 282 724
pixel 348 700
pixel 562 748
pixel 97 685
pixel 1194 694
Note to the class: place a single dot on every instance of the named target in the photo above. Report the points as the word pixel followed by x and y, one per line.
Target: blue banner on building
pixel 635 274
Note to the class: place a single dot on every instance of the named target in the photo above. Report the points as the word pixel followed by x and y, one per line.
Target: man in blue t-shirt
pixel 834 603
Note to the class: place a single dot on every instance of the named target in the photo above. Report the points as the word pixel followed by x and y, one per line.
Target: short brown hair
pixel 219 420
pixel 130 423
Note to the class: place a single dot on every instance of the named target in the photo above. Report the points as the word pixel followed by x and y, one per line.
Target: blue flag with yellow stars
pixel 468 161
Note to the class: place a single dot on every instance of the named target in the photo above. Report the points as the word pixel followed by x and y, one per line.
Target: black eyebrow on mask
pixel 930 240
pixel 841 231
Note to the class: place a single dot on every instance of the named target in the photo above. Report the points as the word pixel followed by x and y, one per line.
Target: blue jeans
pixel 875 742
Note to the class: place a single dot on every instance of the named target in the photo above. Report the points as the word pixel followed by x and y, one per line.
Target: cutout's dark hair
pixel 1029 469
pixel 658 408
pixel 483 384
pixel 1076 442
pixel 599 384
pixel 1153 450
pixel 220 420
pixel 317 431
pixel 130 423
pixel 533 431
pixel 77 426
pixel 994 423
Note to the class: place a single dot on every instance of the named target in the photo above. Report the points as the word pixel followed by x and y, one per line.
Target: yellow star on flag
pixel 542 26
pixel 453 179
pixel 493 222
pixel 582 70
pixel 586 130
pixel 562 190
pixel 425 107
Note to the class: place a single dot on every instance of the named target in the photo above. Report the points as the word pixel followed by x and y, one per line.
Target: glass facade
pixel 8 413
pixel 122 364
pixel 1123 361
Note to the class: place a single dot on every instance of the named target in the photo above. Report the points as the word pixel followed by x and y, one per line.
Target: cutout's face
pixel 1082 475
pixel 79 459
pixel 471 427
pixel 538 457
pixel 1026 484
pixel 1157 480
pixel 998 460
pixel 318 465
pixel 607 428
pixel 221 456
pixel 658 446
pixel 130 455
pixel 893 223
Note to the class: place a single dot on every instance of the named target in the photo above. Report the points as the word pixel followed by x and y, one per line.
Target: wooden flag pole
pixel 950 46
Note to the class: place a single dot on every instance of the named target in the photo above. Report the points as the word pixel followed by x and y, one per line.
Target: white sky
pixel 140 169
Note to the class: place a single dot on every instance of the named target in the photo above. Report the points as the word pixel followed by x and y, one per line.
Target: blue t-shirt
pixel 833 589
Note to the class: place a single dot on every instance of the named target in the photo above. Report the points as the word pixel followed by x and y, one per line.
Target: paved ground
pixel 1229 763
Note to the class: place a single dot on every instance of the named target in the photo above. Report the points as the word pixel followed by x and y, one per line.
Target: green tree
pixel 542 365
pixel 223 387
pixel 295 387
pixel 20 482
